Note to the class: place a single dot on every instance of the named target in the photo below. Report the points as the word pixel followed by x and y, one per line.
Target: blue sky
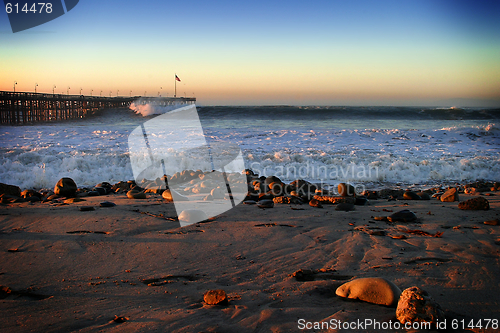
pixel 264 52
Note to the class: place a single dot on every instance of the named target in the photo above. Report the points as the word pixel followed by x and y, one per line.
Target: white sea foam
pixel 407 156
pixel 97 150
pixel 149 107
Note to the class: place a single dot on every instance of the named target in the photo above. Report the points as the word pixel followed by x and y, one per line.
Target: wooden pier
pixel 19 108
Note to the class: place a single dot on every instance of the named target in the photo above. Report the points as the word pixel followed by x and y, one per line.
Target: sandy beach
pixel 250 166
pixel 63 269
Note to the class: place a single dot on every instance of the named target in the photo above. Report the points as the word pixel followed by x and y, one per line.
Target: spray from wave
pixel 150 106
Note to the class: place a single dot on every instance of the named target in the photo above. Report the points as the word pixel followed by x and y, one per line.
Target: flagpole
pixel 175 84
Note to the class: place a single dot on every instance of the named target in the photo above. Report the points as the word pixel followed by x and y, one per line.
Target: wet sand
pixel 72 270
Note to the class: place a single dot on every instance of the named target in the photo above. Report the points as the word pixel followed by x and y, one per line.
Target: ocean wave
pixel 387 169
pixel 97 150
pixel 149 107
pixel 343 112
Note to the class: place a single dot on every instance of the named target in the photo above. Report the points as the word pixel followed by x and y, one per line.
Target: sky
pixel 426 52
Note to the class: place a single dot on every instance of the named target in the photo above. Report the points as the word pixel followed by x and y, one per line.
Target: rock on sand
pixel 171 195
pixel 415 305
pixel 315 203
pixel 265 204
pixel 450 195
pixel 215 297
pixel 65 187
pixel 346 207
pixel 372 290
pixel 132 194
pixel 10 190
pixel 478 203
pixel 410 195
pixel 404 215
pixel 192 216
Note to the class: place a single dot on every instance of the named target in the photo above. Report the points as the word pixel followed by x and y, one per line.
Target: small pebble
pixel 492 222
pixel 346 207
pixel 249 202
pixel 73 200
pixel 136 195
pixel 265 204
pixel 315 203
pixel 120 320
pixel 404 215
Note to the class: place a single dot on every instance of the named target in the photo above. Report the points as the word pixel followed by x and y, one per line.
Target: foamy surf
pixel 96 150
pixel 149 107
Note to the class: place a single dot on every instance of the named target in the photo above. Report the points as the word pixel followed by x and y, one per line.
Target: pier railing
pixel 18 108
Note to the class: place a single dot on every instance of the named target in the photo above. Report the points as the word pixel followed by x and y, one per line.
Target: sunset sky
pixel 265 52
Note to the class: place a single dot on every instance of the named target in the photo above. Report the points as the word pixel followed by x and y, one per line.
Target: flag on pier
pixel 177 78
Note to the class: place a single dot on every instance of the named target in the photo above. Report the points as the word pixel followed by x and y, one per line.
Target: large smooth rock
pixel 66 187
pixel 192 216
pixel 415 305
pixel 478 203
pixel 450 195
pixel 372 290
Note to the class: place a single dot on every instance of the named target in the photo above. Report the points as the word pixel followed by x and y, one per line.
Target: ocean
pixel 370 147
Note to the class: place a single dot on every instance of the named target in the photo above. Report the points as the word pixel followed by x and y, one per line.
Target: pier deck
pixel 18 108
